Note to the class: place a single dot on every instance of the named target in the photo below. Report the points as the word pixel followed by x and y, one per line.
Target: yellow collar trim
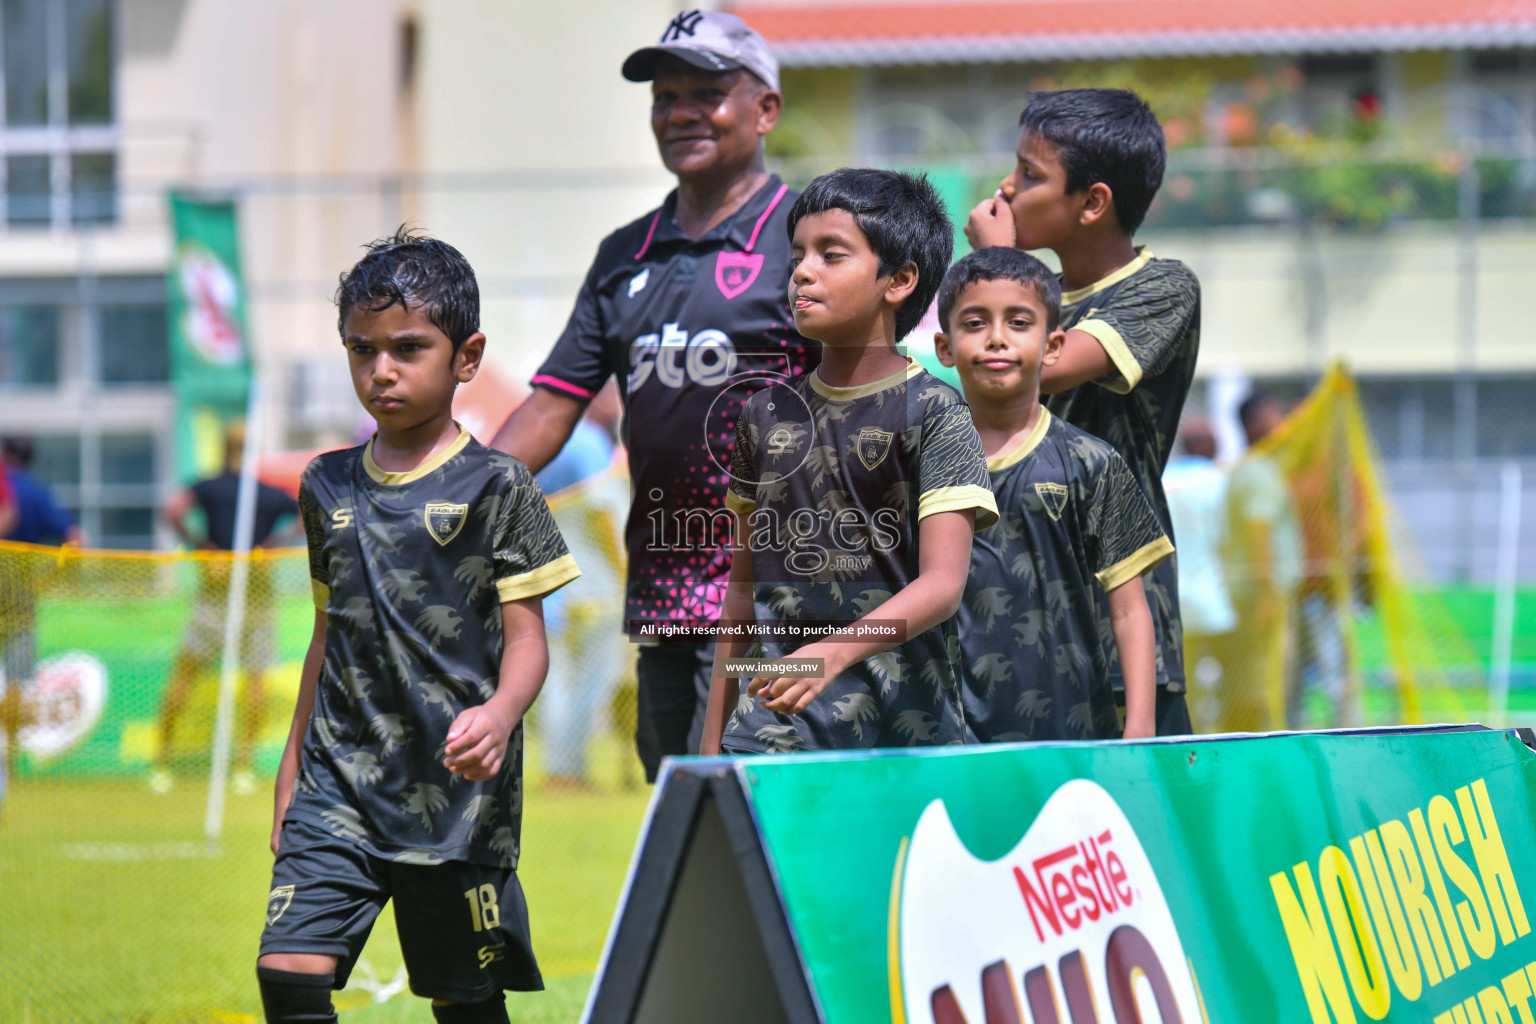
pixel 382 476
pixel 1143 257
pixel 1028 445
pixel 826 390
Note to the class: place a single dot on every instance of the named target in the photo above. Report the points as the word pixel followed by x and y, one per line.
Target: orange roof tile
pixel 865 32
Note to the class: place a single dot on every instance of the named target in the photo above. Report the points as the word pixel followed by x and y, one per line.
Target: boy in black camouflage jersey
pixel 1074 523
pixel 402 777
pixel 855 490
pixel 1089 163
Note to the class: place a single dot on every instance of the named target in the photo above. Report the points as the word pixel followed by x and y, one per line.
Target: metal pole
pixel 234 613
pixel 1506 571
pixel 1464 429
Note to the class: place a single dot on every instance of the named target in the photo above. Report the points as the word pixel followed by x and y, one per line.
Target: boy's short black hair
pixel 903 218
pixel 413 270
pixel 1001 263
pixel 1103 135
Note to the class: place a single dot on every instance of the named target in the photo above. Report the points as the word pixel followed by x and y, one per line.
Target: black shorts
pixel 463 927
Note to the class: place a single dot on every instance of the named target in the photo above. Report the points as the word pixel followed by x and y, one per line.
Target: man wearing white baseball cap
pixel 688 307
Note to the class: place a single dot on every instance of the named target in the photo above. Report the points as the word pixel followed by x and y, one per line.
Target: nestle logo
pixel 1077 883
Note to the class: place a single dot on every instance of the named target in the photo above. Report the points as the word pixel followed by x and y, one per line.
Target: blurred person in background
pixel 1197 506
pixel 1264 564
pixel 587 648
pixel 676 306
pixel 36 519
pixel 203 642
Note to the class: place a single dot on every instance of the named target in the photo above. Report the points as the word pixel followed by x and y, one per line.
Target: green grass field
pixel 114 910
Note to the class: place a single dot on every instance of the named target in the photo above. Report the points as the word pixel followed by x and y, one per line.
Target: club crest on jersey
pixel 278 901
pixel 445 520
pixel 873 445
pixel 1054 498
pixel 735 271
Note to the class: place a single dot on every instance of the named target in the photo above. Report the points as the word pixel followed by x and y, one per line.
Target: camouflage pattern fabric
pixel 411 570
pixel 1147 317
pixel 1038 651
pixel 827 480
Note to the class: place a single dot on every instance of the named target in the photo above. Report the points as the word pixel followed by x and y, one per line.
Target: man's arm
pixel 175 513
pixel 288 767
pixel 539 428
pixel 944 561
pixel 1131 620
pixel 1082 361
pixel 477 739
pixel 738 610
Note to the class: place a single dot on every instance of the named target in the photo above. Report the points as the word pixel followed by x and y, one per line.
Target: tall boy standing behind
pixel 855 490
pixel 1074 521
pixel 402 777
pixel 1089 163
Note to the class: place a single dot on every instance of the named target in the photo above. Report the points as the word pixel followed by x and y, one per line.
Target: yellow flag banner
pixel 1328 625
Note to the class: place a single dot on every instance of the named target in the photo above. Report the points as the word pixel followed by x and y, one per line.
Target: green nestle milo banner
pixel 210 356
pixel 1386 875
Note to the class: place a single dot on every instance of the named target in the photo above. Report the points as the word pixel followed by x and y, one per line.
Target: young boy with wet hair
pixel 1074 523
pixel 855 490
pixel 1090 162
pixel 402 777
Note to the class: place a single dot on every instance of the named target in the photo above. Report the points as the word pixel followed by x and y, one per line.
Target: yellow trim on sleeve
pixel 546 579
pixel 321 593
pixel 958 499
pixel 1119 353
pixel 737 504
pixel 826 390
pixel 1123 571
pixel 1029 444
pixel 384 476
pixel 1143 257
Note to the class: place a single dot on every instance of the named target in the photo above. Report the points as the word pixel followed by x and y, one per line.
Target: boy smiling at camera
pixel 1073 520
pixel 402 777
pixel 855 490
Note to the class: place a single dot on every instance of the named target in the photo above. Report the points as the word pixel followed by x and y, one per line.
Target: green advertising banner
pixel 210 357
pixel 1379 876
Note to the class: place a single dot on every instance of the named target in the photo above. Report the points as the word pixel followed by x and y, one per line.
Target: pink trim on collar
pixel 764 218
pixel 652 234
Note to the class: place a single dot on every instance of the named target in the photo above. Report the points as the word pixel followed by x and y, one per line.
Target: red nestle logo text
pixel 1076 883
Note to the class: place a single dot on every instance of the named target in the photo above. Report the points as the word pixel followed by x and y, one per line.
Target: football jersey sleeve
pixel 529 554
pixel 951 466
pixel 741 491
pixel 1123 533
pixel 579 364
pixel 1145 323
pixel 314 536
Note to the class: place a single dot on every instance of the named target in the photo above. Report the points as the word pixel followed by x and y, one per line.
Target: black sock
pixel 289 997
pixel 492 1011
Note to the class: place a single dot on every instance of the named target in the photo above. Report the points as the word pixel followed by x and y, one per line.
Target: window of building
pixel 58 136
pixel 29 346
pixel 133 347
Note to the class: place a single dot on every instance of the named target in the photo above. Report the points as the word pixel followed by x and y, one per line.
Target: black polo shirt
pixel 693 329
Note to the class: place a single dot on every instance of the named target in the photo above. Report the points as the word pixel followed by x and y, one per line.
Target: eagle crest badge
pixel 873 445
pixel 445 520
pixel 278 901
pixel 1054 498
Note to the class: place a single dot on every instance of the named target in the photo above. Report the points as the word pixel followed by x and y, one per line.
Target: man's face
pixel 1044 212
pixel 835 287
pixel 404 368
pixel 709 124
pixel 998 339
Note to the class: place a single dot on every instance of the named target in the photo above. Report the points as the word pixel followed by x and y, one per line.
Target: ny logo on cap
pixel 683 25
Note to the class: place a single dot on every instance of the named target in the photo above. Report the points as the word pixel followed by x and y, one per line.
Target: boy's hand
pixel 790 695
pixel 477 742
pixel 991 223
pixel 1140 727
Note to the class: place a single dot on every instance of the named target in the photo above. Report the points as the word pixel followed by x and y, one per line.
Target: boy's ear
pixel 466 361
pixel 1098 203
pixel 1053 343
pixel 942 349
pixel 903 284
